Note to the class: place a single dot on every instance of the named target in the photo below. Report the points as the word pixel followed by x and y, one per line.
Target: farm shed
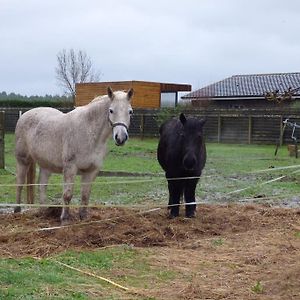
pixel 146 94
pixel 248 92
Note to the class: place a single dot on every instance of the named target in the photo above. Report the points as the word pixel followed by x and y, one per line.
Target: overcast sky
pixel 193 41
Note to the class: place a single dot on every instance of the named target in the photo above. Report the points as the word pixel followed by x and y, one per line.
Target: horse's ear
pixel 202 122
pixel 110 93
pixel 130 94
pixel 182 118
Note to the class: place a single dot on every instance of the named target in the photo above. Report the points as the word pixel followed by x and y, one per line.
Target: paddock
pixel 243 244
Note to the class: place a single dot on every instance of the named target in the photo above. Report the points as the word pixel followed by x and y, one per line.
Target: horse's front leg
pixel 86 184
pixel 189 195
pixel 175 191
pixel 69 178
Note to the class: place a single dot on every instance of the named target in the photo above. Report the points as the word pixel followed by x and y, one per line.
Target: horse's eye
pixel 111 111
pixel 131 112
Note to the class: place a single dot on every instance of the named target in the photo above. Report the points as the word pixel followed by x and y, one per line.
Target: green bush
pixel 166 113
pixel 17 100
pixel 36 103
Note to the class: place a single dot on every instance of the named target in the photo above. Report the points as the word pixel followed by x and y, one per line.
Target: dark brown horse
pixel 182 154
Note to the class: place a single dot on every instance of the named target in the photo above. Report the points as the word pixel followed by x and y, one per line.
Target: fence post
pixel 2 161
pixel 219 128
pixel 281 132
pixel 249 130
pixel 142 126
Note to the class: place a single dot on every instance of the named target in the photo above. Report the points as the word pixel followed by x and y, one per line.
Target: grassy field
pixel 230 175
pixel 229 168
pixel 29 278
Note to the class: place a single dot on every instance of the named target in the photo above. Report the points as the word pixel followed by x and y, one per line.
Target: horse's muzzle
pixel 189 163
pixel 120 141
pixel 120 134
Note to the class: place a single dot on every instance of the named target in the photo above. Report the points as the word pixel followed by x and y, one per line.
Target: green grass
pixel 28 278
pixel 257 288
pixel 229 168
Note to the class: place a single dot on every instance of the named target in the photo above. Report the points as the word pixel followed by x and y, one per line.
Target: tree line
pixel 17 100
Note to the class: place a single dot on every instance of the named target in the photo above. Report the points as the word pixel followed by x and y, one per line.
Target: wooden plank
pixel 174 87
pixel 86 92
pixel 146 94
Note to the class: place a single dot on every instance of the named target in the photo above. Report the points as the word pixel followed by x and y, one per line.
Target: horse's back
pixel 38 121
pixel 35 116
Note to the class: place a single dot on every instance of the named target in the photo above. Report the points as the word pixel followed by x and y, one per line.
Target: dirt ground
pixel 226 252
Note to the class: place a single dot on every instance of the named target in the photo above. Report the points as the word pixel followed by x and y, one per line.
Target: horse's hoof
pixel 83 213
pixel 190 215
pixel 17 209
pixel 172 216
pixel 42 210
pixel 65 222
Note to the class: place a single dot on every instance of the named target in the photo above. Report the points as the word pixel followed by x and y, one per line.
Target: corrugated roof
pixel 254 85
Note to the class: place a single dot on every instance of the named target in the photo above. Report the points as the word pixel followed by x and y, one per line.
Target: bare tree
pixel 74 67
pixel 287 95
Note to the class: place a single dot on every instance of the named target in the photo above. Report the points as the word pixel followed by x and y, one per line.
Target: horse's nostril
pixel 120 138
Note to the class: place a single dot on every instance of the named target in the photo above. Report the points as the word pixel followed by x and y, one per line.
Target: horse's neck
pixel 97 114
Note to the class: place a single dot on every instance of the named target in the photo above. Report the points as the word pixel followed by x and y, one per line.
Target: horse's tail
pixel 31 182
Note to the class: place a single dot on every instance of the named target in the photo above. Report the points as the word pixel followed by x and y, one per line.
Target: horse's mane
pixel 99 98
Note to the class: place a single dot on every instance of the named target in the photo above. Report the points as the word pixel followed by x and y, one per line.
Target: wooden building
pixel 146 94
pixel 255 91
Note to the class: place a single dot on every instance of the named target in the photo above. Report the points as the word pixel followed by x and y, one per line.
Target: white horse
pixel 72 143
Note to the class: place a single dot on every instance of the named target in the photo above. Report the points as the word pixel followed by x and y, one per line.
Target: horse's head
pixel 120 112
pixel 192 141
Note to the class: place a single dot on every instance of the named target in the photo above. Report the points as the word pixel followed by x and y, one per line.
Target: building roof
pixel 164 87
pixel 254 85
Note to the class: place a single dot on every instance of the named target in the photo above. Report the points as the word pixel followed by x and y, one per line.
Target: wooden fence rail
pixel 229 128
pixel 245 127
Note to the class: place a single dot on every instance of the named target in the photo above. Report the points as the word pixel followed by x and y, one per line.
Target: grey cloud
pixel 191 41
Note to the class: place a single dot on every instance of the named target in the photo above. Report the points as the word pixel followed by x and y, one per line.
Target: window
pixel 168 99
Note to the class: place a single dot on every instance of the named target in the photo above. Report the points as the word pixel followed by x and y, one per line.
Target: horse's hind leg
pixel 43 181
pixel 86 183
pixel 69 177
pixel 22 170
